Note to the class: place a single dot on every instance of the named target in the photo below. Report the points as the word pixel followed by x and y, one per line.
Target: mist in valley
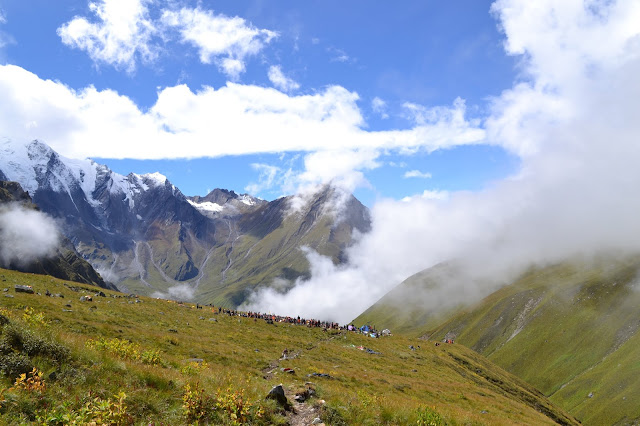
pixel 26 235
pixel 572 119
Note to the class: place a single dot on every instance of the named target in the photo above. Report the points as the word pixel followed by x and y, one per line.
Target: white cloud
pixel 268 177
pixel 338 55
pixel 341 167
pixel 125 33
pixel 379 107
pixel 417 174
pixel 121 35
pixel 227 41
pixel 5 39
pixel 281 81
pixel 232 120
pixel 25 235
pixel 428 195
pixel 573 122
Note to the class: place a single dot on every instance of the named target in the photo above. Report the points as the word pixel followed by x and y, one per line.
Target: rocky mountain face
pixel 142 234
pixel 64 263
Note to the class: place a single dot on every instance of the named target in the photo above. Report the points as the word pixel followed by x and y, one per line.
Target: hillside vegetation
pixel 125 360
pixel 570 330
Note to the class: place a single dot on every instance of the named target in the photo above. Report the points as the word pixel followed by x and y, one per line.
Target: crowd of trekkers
pixel 326 325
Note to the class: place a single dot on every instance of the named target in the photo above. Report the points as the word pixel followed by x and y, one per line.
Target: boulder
pixel 23 289
pixel 277 394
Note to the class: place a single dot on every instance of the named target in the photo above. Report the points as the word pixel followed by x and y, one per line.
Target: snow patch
pixel 247 199
pixel 140 185
pixel 156 179
pixel 207 206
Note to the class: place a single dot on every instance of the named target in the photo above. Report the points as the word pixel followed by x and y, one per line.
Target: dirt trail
pixel 303 414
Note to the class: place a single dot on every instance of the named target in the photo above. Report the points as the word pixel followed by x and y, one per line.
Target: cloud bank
pixel 574 124
pixel 234 119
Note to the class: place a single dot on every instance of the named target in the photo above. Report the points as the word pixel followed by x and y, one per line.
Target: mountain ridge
pixel 141 233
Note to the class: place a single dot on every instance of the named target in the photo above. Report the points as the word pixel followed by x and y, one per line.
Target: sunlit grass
pixel 240 364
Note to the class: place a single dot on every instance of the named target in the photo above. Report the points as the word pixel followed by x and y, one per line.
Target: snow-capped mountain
pixel 142 234
pixel 106 215
pixel 221 202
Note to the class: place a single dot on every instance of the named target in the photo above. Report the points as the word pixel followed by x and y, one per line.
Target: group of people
pixel 271 319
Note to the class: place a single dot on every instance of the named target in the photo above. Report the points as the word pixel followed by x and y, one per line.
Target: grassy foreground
pixel 122 360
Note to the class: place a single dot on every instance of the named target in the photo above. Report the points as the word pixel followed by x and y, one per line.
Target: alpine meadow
pixel 319 213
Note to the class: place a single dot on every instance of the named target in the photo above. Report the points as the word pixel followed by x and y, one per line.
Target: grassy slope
pixel 402 310
pixel 366 389
pixel 569 330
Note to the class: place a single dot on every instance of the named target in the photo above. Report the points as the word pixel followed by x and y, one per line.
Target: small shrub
pixel 33 318
pixel 5 316
pixel 428 416
pixel 196 404
pixel 94 411
pixel 151 357
pixel 14 364
pixel 193 368
pixel 123 349
pixel 33 383
pixel 16 339
pixel 234 405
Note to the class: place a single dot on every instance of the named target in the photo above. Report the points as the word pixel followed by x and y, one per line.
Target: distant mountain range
pixel 143 235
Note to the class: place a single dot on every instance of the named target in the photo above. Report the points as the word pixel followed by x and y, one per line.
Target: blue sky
pixel 503 132
pixel 399 69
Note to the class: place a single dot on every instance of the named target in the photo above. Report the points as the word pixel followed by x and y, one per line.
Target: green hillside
pixel 570 330
pixel 409 308
pixel 128 360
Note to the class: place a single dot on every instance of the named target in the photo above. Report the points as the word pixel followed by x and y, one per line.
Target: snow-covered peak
pixel 207 206
pixel 248 199
pixel 39 152
pixel 16 164
pixel 156 179
pixel 35 166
